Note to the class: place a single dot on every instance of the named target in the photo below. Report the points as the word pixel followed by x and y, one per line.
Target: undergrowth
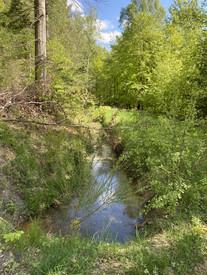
pixel 167 155
pixel 47 165
pixel 179 249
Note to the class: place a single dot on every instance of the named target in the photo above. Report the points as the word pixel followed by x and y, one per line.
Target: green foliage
pixel 16 43
pixel 158 253
pixel 46 169
pixel 66 256
pixel 104 114
pixel 13 237
pixel 181 257
pixel 178 248
pixel 19 15
pixel 168 155
pixel 5 227
pixel 11 207
pixel 68 71
pixel 34 236
pixel 157 65
pixel 138 6
pixel 187 247
pixel 127 69
pixel 10 265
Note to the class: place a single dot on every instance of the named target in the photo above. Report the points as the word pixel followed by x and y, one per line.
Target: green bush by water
pixel 171 156
pixel 167 155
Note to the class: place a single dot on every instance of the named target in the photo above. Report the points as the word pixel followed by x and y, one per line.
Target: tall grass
pixel 45 167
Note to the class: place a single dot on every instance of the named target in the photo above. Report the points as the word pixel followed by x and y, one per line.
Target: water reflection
pixel 116 220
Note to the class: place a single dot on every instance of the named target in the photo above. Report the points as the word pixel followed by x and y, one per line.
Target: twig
pixel 23 89
pixel 29 102
pixel 90 214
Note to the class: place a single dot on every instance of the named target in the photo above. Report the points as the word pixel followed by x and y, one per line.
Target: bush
pixel 169 155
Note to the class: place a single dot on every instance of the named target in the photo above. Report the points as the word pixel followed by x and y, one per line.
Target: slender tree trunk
pixel 47 19
pixel 88 67
pixel 40 40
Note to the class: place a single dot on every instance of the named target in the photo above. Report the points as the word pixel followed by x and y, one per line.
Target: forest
pixel 138 110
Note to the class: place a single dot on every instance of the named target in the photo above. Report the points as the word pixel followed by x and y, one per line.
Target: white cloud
pixel 104 25
pixel 75 6
pixel 107 34
pixel 107 37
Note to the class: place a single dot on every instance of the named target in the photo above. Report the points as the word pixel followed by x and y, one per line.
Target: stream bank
pixel 111 216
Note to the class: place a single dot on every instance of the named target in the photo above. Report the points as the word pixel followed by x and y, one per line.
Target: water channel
pixel 113 222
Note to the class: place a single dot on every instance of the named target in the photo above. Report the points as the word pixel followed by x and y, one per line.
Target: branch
pixel 54 124
pixel 59 124
pixel 22 91
pixel 91 213
pixel 13 96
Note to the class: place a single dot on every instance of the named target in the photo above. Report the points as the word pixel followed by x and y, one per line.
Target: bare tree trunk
pixel 47 19
pixel 88 67
pixel 40 40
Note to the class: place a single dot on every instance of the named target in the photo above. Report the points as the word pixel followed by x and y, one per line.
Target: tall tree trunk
pixel 88 67
pixel 40 40
pixel 47 19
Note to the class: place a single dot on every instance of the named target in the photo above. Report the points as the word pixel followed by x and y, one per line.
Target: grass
pixel 173 242
pixel 180 249
pixel 45 167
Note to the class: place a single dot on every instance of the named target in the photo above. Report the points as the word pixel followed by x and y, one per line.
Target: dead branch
pixel 59 124
pixel 54 124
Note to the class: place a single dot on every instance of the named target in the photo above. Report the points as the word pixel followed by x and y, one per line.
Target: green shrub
pixel 104 114
pixel 167 154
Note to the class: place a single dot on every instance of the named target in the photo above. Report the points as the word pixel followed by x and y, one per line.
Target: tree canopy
pixel 157 63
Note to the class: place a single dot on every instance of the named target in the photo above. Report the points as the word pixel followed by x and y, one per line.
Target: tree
pixel 187 13
pixel 19 15
pixel 133 57
pixel 40 39
pixel 16 42
pixel 138 6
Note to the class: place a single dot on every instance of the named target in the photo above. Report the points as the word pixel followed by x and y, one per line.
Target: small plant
pixel 13 236
pixel 75 223
pixel 11 207
pixel 5 226
pixel 11 265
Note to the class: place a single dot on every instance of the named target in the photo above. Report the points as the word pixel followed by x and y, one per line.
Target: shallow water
pixel 113 222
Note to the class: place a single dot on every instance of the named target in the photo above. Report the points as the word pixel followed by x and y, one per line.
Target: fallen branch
pixel 54 124
pixel 23 90
pixel 11 96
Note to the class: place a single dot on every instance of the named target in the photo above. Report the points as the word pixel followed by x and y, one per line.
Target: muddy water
pixel 115 221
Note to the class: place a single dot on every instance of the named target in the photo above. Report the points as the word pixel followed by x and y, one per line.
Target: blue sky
pixel 108 15
pixel 109 12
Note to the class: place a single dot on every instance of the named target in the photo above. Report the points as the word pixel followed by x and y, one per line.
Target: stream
pixel 112 222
